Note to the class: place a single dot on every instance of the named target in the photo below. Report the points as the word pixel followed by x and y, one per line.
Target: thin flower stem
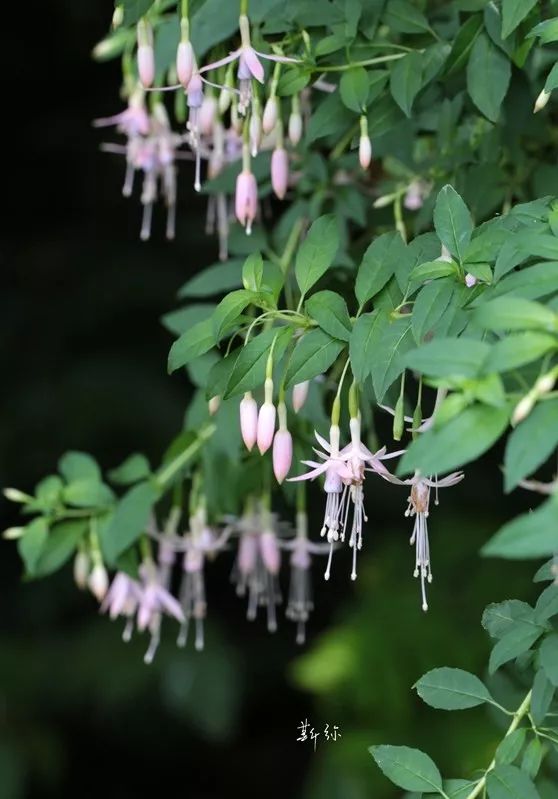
pixel 244 8
pixel 344 142
pixel 368 62
pixel 518 716
pixel 165 474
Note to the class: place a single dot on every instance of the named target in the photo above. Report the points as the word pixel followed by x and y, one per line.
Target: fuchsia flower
pixel 345 471
pixel 300 394
pixel 257 566
pixel 155 599
pixel 145 54
pixel 419 500
pixel 185 62
pixel 365 151
pixel 249 64
pixel 199 543
pixel 270 115
pixel 122 599
pixel 300 603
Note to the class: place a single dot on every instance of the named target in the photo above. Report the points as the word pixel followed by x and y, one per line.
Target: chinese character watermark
pixel 308 733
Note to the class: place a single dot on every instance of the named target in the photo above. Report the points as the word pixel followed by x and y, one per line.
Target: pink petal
pixel 222 62
pixel 253 63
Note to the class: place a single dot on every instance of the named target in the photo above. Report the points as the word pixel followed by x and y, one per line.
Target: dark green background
pixel 83 361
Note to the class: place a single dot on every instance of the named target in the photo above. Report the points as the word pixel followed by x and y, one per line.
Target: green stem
pixel 185 11
pixel 244 8
pixel 344 142
pixel 518 716
pixel 167 472
pixel 369 61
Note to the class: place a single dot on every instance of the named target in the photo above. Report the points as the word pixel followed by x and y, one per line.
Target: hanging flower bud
pixel 365 152
pixel 545 383
pixel 255 132
pixel 98 581
pixel 185 63
pixel 266 419
pixel 470 280
pixel 226 94
pixel 282 446
pixel 270 115
pixel 300 393
pixel 246 196
pixel 541 101
pixel 81 569
pixel 280 171
pixel 214 404
pixel 249 420
pixel 523 408
pixel 146 54
pixel 295 127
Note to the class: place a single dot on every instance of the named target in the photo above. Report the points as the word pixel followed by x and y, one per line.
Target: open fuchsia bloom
pixel 419 501
pixel 155 600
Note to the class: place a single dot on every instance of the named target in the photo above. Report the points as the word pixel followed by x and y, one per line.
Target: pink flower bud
pixel 249 420
pixel 266 426
pixel 185 62
pixel 280 171
pixel 247 553
pixel 255 133
pixel 246 199
pixel 269 551
pixel 208 112
pixel 98 581
pixel 146 64
pixel 523 408
pixel 282 454
pixel 365 151
pixel 270 115
pixel 300 393
pixel 541 101
pixel 295 128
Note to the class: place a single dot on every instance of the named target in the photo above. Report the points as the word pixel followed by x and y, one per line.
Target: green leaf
pixel 365 338
pixel 329 310
pixel 78 465
pixel 191 344
pixel 292 81
pixel 463 439
pixel 510 746
pixel 549 657
pixel 228 310
pixel 317 252
pixel 430 304
pixel 389 362
pixel 499 617
pixel 60 545
pixel 452 221
pixel 509 782
pixel 531 443
pixel 514 12
pixel 252 272
pixel 463 43
pixel 49 491
pixel 452 689
pixel 406 81
pixel 531 283
pixel 249 369
pixel 431 270
pixel 215 279
pixel 517 350
pixel 531 535
pixel 182 319
pixel 403 17
pixel 542 696
pixel 513 644
pixel 514 313
pixel 487 59
pixel 88 493
pixel 547 604
pixel 312 356
pixel 134 468
pixel 532 758
pixel 449 357
pixel 378 265
pixel 129 520
pixel 30 546
pixel 524 245
pixel 353 88
pixel 410 769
